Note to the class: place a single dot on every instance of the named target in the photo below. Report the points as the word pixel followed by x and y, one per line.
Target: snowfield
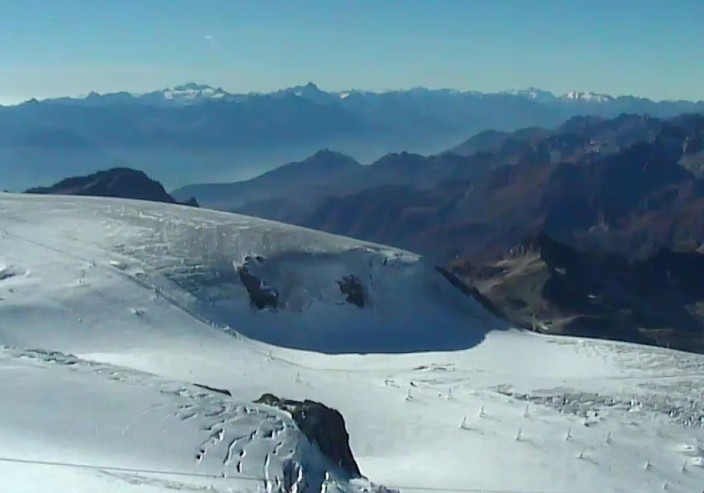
pixel 114 420
pixel 111 311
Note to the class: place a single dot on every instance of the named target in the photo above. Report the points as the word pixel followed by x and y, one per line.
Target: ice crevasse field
pixel 115 313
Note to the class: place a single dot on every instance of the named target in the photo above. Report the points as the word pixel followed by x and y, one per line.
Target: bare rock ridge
pixel 116 182
pixel 323 426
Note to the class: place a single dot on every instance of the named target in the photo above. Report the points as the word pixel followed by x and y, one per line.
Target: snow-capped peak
pixel 192 91
pixel 531 93
pixel 591 97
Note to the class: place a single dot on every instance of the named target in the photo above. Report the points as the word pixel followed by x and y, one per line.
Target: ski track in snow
pixel 127 287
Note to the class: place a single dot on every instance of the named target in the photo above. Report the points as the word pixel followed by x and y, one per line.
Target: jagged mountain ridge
pixel 483 219
pixel 191 92
pixel 302 186
pixel 217 136
pixel 625 184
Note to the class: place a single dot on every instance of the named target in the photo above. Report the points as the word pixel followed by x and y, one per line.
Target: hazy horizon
pixel 53 48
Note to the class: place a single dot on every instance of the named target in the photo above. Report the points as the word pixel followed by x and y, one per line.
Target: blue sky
pixel 652 48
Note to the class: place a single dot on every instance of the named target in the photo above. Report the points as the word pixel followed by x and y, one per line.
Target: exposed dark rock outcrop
pixel 323 426
pixel 261 296
pixel 353 289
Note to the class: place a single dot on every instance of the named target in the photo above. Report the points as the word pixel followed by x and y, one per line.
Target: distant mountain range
pixel 193 93
pixel 196 133
pixel 292 191
pixel 629 184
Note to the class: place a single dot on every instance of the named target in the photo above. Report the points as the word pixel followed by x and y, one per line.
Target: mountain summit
pixel 116 182
pixel 192 89
pixel 311 92
pixel 191 92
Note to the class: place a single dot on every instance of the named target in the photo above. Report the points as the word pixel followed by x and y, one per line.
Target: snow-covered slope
pixel 147 298
pixel 532 93
pixel 191 260
pixel 589 97
pixel 115 423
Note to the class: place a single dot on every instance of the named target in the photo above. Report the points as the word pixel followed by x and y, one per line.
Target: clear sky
pixel 652 48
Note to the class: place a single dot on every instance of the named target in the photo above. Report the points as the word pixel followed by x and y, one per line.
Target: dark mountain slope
pixel 550 287
pixel 117 182
pixel 304 185
pixel 493 141
pixel 631 200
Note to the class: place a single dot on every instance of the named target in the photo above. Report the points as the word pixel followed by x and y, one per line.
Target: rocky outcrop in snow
pixel 323 426
pixel 261 296
pixel 353 289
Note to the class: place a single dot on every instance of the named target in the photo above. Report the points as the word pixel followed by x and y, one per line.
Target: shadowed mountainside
pixel 551 287
pixel 116 182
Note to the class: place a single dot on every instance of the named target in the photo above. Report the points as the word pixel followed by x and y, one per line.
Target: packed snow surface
pixel 111 311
